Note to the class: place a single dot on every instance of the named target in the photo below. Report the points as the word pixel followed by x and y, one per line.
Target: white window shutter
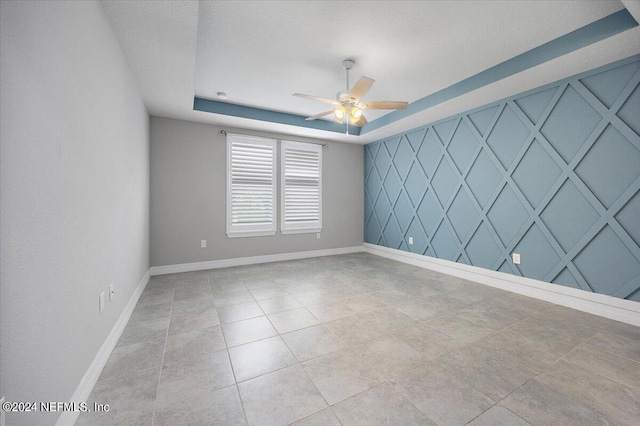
pixel 301 186
pixel 251 186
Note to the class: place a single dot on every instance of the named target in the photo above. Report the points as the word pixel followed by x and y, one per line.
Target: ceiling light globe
pixel 339 113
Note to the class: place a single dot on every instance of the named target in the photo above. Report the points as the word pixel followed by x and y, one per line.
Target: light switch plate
pixel 516 258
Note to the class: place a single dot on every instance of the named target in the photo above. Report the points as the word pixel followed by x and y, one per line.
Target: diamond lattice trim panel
pixel 482 250
pixel 483 118
pixel 552 174
pixel 462 215
pixel 483 178
pixel 610 166
pixel 429 153
pixel 507 137
pixel 568 229
pixel 507 215
pixel 570 123
pixel 462 146
pixel 536 173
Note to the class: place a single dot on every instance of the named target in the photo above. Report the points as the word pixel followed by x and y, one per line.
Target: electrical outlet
pixel 112 292
pixel 410 240
pixel 318 236
pixel 516 258
pixel 203 243
pixel 101 301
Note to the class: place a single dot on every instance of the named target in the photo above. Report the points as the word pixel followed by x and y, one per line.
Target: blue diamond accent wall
pixel 552 174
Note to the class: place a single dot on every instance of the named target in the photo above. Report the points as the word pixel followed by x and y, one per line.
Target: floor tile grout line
pixel 263 374
pixel 607 330
pixel 480 414
pixel 462 379
pixel 618 336
pixel 315 387
pixel 585 342
pixel 317 356
pixel 244 412
pixel 434 359
pixel 311 415
pixel 386 381
pixel 513 412
pixel 543 371
pixel 235 380
pixel 335 415
pixel 155 402
pixel 349 347
pixel 497 403
pixel 608 352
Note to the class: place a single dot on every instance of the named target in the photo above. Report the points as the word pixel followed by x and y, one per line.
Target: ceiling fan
pixel 348 105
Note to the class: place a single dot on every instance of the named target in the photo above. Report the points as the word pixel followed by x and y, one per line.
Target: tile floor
pixel 362 340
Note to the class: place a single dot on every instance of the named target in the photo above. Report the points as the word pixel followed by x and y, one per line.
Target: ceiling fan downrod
pixel 347 64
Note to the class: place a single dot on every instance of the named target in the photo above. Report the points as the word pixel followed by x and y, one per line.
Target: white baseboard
pixel 93 372
pixel 239 261
pixel 598 304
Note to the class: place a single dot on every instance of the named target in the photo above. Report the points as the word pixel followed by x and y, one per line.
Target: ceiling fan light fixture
pixel 347 108
pixel 356 114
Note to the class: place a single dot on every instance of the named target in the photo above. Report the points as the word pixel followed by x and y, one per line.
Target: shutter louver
pixel 301 187
pixel 251 180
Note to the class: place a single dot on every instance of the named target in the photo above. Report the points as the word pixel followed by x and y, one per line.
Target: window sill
pixel 250 234
pixel 301 231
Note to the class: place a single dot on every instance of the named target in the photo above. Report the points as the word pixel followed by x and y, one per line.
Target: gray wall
pixel 188 187
pixel 74 167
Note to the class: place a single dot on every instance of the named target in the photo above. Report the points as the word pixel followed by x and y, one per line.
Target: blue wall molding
pixel 552 174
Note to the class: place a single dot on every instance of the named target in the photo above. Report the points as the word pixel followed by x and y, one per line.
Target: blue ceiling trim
pixel 589 34
pixel 554 84
pixel 225 108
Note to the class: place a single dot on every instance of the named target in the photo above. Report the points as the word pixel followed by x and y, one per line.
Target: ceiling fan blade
pixel 383 105
pixel 322 114
pixel 316 98
pixel 361 121
pixel 361 87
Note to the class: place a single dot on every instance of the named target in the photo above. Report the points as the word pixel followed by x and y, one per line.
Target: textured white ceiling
pixel 158 39
pixel 260 52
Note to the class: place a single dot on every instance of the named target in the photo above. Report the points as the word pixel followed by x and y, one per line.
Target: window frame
pixel 252 230
pixel 306 228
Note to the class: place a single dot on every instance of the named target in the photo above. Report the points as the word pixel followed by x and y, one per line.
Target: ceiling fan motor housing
pixel 344 98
